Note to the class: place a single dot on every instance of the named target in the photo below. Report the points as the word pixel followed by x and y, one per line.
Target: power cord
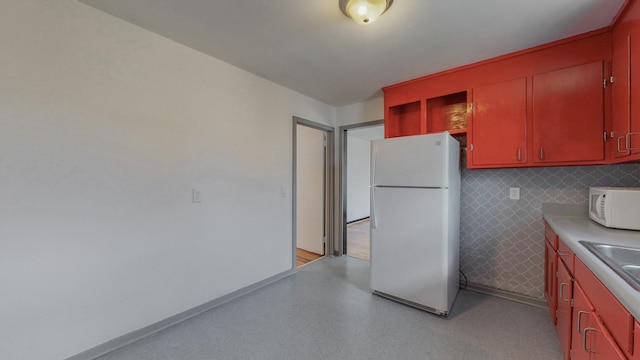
pixel 466 281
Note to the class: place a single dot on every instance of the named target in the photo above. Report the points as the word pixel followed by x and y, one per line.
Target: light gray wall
pixel 105 130
pixel 358 175
pixel 370 110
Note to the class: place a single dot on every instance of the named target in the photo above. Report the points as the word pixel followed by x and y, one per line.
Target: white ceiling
pixel 311 47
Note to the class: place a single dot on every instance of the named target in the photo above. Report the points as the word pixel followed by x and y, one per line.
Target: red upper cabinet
pixel 498 131
pixel 404 120
pixel 625 129
pixel 568 114
pixel 621 95
pixel 447 113
pixel 432 115
pixel 547 100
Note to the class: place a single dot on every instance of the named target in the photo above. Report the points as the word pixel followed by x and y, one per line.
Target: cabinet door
pixel 583 318
pixel 621 94
pixel 611 312
pixel 563 324
pixel 589 338
pixel 568 114
pixel 625 130
pixel 636 341
pixel 604 348
pixel 550 261
pixel 633 137
pixel 499 123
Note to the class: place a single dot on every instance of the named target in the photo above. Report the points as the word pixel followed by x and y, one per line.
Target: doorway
pixel 355 155
pixel 312 179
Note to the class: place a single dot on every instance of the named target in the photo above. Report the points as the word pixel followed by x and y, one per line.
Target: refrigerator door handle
pixel 374 222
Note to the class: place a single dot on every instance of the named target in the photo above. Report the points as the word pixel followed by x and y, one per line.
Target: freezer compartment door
pixel 414 161
pixel 410 254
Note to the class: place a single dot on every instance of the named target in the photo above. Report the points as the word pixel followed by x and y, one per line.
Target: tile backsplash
pixel 501 240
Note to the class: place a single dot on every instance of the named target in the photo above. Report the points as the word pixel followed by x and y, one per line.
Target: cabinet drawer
pixel 613 315
pixel 550 236
pixel 566 255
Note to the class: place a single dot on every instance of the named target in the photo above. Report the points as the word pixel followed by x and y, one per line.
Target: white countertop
pixel 572 224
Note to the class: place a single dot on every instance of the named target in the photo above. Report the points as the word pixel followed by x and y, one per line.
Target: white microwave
pixel 615 207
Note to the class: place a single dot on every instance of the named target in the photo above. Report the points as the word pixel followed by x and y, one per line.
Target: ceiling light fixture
pixel 364 11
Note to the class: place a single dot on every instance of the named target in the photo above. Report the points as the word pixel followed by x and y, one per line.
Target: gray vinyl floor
pixel 326 311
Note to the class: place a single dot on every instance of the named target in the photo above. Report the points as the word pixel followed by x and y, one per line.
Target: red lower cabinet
pixel 636 341
pixel 582 319
pixel 602 345
pixel 590 322
pixel 563 314
pixel 550 270
pixel 611 312
pixel 590 340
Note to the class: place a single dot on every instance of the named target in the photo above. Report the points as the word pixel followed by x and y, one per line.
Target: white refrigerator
pixel 415 220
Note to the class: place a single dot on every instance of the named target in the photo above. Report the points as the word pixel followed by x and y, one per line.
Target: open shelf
pixel 404 120
pixel 447 113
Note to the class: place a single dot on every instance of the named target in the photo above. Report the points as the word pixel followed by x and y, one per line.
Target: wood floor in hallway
pixel 305 257
pixel 358 243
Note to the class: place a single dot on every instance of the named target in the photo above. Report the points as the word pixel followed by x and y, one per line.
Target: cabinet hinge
pixel 604 136
pixel 604 83
pixel 470 106
pixel 471 147
pixel 572 302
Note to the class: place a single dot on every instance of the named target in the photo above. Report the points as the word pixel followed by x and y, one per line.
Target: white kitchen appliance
pixel 415 220
pixel 615 207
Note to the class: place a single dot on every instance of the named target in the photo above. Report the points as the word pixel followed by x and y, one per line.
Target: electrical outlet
pixel 514 193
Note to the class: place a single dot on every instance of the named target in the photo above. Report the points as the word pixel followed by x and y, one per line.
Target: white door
pixel 408 247
pixel 310 189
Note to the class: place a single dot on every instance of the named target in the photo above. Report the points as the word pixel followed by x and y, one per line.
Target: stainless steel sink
pixel 625 261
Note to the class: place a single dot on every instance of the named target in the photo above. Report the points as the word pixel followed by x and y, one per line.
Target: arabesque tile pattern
pixel 501 242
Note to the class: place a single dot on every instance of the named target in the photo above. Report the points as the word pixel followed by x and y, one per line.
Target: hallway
pixel 358 240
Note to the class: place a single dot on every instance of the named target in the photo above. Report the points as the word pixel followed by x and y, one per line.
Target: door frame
pixel 342 241
pixel 329 186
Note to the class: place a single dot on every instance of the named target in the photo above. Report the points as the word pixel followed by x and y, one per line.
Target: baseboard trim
pixel 524 299
pixel 140 334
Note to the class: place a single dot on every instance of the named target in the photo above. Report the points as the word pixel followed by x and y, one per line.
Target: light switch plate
pixel 196 196
pixel 514 193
